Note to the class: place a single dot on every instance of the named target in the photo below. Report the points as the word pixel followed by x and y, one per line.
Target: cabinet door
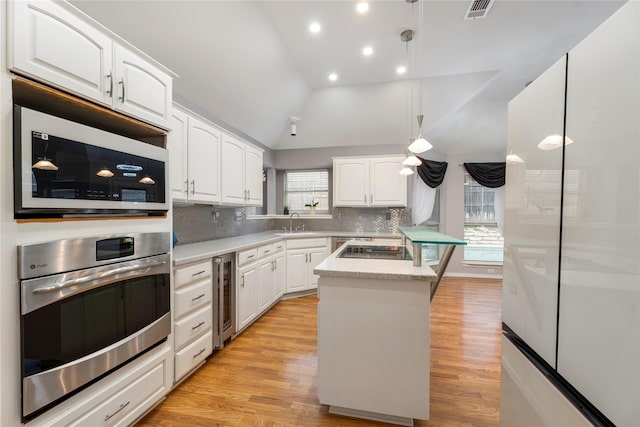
pixel 265 283
pixel 177 147
pixel 315 257
pixel 279 275
pixel 203 162
pixel 233 190
pixel 350 182
pixel 297 270
pixel 386 186
pixel 141 89
pixel 48 43
pixel 247 281
pixel 253 176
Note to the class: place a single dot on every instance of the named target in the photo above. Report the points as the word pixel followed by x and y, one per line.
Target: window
pixel 484 240
pixel 305 187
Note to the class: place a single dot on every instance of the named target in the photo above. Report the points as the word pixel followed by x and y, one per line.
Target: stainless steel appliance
pixel 66 168
pixel 224 301
pixel 375 252
pixel 336 242
pixel 88 306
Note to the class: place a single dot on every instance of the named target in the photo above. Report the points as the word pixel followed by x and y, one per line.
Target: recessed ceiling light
pixel 314 27
pixel 333 77
pixel 401 69
pixel 362 7
pixel 368 50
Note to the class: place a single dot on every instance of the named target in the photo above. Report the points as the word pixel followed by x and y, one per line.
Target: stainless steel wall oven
pixel 88 306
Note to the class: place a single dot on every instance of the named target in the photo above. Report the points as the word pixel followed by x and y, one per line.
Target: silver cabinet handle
pixel 110 77
pixel 193 186
pixel 124 405
pixel 198 273
pixel 197 298
pixel 193 328
pixel 122 83
pixel 248 194
pixel 242 281
pixel 371 198
pixel 199 353
pixel 273 265
pixel 186 183
pixel 250 256
pixel 365 198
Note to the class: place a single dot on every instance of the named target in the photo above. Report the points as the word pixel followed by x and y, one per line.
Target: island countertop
pixel 372 268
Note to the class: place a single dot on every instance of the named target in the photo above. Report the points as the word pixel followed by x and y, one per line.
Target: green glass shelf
pixel 425 235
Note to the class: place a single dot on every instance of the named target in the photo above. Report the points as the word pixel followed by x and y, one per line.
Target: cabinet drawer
pixel 247 256
pixel 279 247
pixel 306 243
pixel 128 404
pixel 192 272
pixel 192 297
pixel 264 251
pixel 192 325
pixel 193 354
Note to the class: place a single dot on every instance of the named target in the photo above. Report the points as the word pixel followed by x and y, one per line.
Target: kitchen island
pixel 373 337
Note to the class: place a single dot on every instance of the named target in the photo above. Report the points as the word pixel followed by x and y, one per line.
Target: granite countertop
pixel 191 252
pixel 382 269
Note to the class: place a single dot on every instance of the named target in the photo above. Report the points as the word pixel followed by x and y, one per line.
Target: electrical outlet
pixel 215 215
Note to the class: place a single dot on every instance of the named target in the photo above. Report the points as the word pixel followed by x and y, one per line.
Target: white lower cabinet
pixel 303 255
pixel 246 288
pixel 193 354
pixel 121 398
pixel 193 318
pixel 271 275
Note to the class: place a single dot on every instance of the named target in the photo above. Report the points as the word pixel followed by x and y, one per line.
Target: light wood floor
pixel 267 375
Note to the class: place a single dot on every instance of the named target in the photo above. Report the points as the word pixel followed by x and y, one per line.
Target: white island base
pixel 373 341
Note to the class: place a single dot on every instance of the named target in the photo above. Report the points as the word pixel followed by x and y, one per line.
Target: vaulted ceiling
pixel 251 65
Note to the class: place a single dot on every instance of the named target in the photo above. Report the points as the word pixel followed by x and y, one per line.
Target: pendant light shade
pixel 44 164
pixel 412 160
pixel 513 159
pixel 105 172
pixel 405 171
pixel 146 180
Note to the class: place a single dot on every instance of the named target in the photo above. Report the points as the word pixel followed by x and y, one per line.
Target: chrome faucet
pixel 291 221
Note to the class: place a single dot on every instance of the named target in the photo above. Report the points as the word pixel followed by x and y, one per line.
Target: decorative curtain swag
pixel 432 172
pixel 487 174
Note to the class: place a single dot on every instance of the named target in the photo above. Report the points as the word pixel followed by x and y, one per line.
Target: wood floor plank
pixel 267 375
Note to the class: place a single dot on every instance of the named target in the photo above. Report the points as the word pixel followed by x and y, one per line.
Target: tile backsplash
pixel 199 223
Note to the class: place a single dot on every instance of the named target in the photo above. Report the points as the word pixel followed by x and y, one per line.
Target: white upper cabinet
pixel 241 173
pixel 372 181
pixel 56 44
pixel 203 162
pixel 49 43
pixel 143 90
pixel 177 147
pixel 253 176
pixel 233 190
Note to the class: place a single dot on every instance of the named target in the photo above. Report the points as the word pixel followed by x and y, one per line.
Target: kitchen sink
pixel 375 252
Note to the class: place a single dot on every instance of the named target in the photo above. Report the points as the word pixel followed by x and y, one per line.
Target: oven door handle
pixel 102 275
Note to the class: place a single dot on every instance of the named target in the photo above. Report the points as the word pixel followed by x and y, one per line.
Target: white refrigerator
pixel 571 293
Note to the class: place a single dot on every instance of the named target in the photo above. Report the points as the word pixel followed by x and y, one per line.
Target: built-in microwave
pixel 65 168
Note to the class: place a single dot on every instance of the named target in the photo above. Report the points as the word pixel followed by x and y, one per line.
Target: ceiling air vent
pixel 478 9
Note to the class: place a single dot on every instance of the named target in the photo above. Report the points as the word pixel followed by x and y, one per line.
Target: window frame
pixel 313 193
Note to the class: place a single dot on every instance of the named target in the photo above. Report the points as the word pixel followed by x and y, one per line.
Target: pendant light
pixel 43 163
pixel 420 145
pixel 406 171
pixel 411 160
